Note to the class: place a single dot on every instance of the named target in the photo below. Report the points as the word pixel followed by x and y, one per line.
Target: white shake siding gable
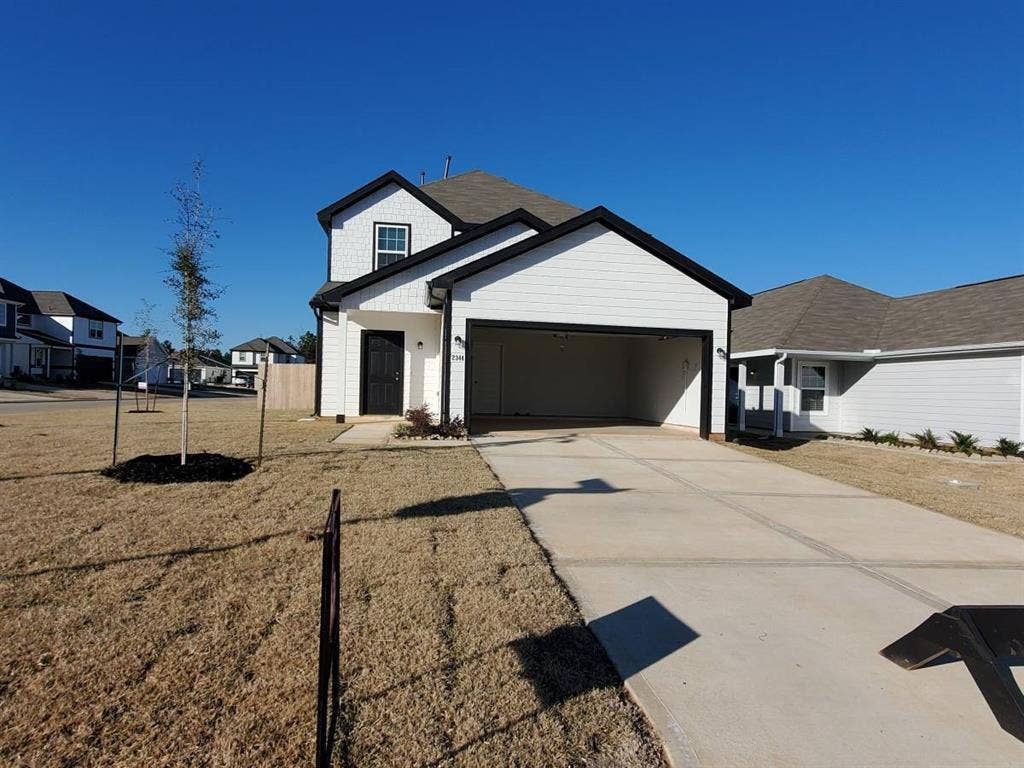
pixel 592 276
pixel 406 291
pixel 352 235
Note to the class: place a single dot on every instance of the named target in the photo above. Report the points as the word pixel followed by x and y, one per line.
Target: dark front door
pixel 383 355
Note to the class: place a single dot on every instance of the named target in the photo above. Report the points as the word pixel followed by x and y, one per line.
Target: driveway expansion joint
pixel 841 558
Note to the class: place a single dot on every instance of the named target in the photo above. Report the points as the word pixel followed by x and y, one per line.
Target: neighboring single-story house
pixel 245 358
pixel 479 297
pixel 837 357
pixel 145 360
pixel 54 335
pixel 205 370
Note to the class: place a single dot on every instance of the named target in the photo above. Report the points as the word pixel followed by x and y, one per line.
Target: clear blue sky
pixel 879 142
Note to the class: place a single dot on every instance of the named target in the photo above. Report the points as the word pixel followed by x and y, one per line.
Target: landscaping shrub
pixel 455 429
pixel 1008 447
pixel 890 438
pixel 871 435
pixel 926 440
pixel 421 421
pixel 422 426
pixel 964 442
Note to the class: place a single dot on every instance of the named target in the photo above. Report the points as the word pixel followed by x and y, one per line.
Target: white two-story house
pixel 246 358
pixel 55 335
pixel 481 298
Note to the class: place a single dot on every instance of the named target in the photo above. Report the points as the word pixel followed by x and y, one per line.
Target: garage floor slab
pixel 746 607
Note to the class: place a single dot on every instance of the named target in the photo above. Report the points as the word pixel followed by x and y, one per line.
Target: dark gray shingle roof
pixel 259 344
pixel 478 197
pixel 14 292
pixel 828 314
pixel 64 304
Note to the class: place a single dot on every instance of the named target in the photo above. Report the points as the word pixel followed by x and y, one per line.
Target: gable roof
pixel 617 224
pixel 13 292
pixel 63 304
pixel 259 344
pixel 478 196
pixel 332 292
pixel 827 314
pixel 391 177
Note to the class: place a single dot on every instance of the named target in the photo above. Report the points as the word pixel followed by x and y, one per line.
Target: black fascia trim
pixel 707 362
pixel 391 177
pixel 518 215
pixel 617 224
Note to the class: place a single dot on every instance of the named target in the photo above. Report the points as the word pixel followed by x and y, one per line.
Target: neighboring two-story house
pixel 56 335
pixel 245 358
pixel 479 297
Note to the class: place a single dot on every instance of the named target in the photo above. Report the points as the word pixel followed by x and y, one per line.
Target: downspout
pixel 318 313
pixel 446 357
pixel 778 415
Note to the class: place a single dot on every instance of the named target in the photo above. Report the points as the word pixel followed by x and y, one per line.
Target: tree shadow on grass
pixel 573 659
pixel 497 499
pixel 171 554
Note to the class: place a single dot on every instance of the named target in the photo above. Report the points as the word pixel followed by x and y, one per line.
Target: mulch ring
pixel 167 468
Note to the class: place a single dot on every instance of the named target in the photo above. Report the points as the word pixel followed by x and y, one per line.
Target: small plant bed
pixel 420 424
pixel 960 445
pixel 167 468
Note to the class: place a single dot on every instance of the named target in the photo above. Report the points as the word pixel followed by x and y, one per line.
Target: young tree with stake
pixel 188 280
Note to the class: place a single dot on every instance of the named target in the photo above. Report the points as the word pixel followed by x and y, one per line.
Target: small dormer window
pixel 95 329
pixel 390 243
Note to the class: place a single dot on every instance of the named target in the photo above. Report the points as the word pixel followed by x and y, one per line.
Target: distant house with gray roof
pixel 54 335
pixel 246 357
pixel 838 357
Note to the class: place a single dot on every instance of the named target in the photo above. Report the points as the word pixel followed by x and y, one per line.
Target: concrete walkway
pixel 745 602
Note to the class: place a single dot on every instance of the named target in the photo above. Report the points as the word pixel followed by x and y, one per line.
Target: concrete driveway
pixel 745 602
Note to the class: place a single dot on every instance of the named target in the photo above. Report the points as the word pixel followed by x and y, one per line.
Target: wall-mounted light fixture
pixel 720 352
pixel 419 345
pixel 458 340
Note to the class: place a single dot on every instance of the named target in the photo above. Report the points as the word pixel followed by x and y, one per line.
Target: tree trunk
pixel 184 415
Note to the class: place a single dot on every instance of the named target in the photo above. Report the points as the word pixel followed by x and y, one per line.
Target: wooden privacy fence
pixel 290 387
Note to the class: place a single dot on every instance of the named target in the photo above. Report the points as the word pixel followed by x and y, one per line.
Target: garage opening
pixel 544 371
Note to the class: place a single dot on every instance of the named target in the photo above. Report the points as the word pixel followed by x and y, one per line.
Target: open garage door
pixel 541 370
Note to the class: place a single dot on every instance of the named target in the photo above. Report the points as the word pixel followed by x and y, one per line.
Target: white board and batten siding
pixel 352 232
pixel 592 276
pixel 982 394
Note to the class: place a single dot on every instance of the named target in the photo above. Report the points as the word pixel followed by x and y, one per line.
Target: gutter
pixel 825 354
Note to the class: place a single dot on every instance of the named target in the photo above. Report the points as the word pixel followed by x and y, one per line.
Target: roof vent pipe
pixel 423 178
pixel 447 165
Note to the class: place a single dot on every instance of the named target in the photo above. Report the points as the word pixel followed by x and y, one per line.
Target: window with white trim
pixel 38 357
pixel 390 244
pixel 95 329
pixel 812 387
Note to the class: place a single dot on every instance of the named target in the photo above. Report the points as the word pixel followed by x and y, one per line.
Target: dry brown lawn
pixel 177 625
pixel 997 502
